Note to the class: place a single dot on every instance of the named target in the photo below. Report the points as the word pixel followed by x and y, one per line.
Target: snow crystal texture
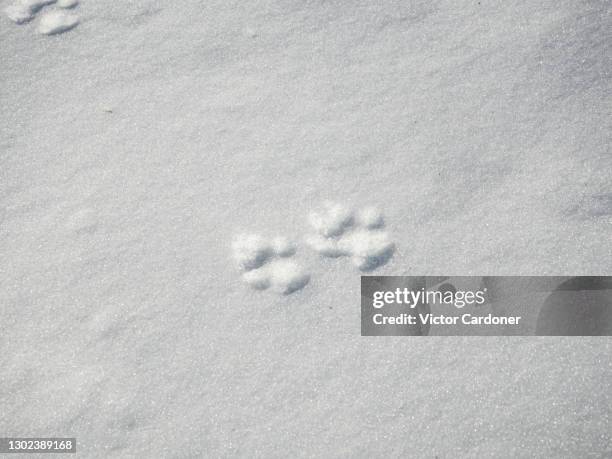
pixel 269 263
pixel 57 22
pixel 340 232
pixel 136 148
pixel 52 22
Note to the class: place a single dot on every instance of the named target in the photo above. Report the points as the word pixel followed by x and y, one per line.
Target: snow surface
pixel 263 266
pixel 67 3
pixel 21 11
pixel 135 148
pixel 51 23
pixel 57 22
pixel 339 231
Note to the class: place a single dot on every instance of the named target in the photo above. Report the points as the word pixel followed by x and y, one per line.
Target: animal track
pixel 268 264
pixel 57 22
pixel 54 22
pixel 340 231
pixel 22 11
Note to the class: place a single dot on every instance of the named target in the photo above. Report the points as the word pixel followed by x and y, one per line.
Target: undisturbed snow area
pixel 138 147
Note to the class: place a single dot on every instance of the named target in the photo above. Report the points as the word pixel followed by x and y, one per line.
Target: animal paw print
pixel 269 264
pixel 51 23
pixel 339 231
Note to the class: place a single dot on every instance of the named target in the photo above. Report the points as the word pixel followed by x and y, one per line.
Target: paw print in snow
pixel 269 264
pixel 22 11
pixel 340 231
pixel 51 23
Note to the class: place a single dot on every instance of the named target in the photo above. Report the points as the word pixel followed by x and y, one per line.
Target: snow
pixel 51 23
pixel 264 267
pixel 326 247
pixel 368 249
pixel 251 251
pixel 57 22
pixel 67 3
pixel 21 11
pixel 370 218
pixel 18 13
pixel 332 220
pixel 284 276
pixel 83 220
pixel 338 232
pixel 283 246
pixel 138 146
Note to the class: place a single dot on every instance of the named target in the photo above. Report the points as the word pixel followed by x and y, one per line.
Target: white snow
pixel 332 220
pixel 338 233
pixel 269 263
pixel 18 13
pixel 368 249
pixel 251 251
pixel 286 276
pixel 283 276
pixel 259 279
pixel 35 5
pixel 56 22
pixel 67 3
pixel 82 221
pixel 370 217
pixel 21 11
pixel 326 247
pixel 480 129
pixel 283 246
